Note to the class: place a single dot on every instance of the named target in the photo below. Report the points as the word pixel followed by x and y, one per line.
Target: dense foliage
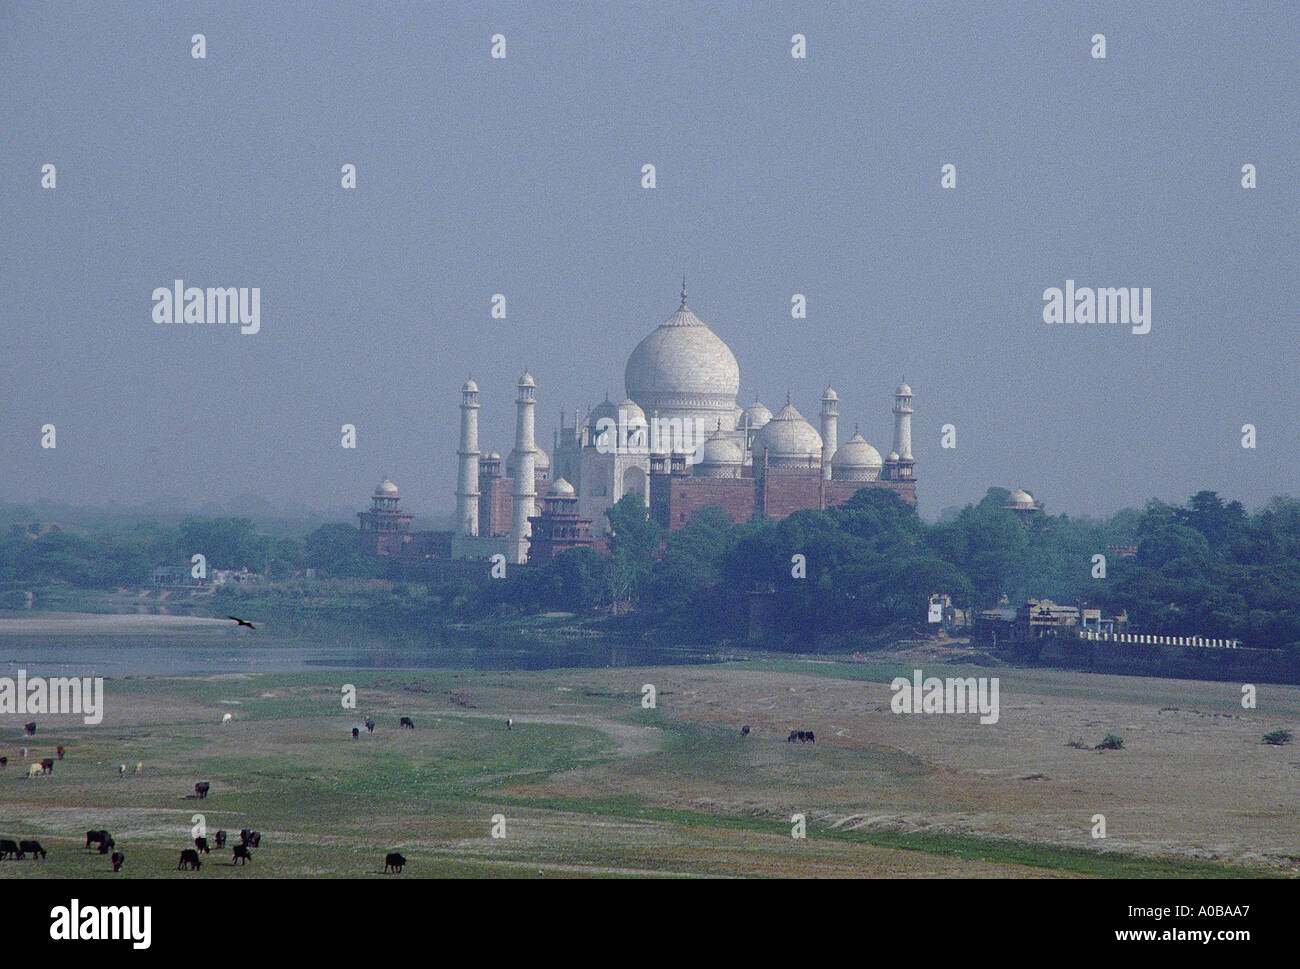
pixel 1204 568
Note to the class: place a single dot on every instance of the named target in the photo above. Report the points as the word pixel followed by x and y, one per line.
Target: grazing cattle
pixel 32 848
pixel 510 723
pixel 242 854
pixel 121 770
pixel 201 789
pixel 221 839
pixel 251 838
pixel 395 862
pixel 118 858
pixel 4 761
pixel 139 767
pixel 408 722
pixel 794 735
pixel 356 732
pixel 244 835
pixel 370 725
pixel 812 737
pixel 107 846
pixel 744 731
pixel 190 860
pixel 47 765
pixel 8 849
pixel 226 718
pixel 201 844
pixel 30 728
pixel 60 750
pixel 35 770
pixel 97 837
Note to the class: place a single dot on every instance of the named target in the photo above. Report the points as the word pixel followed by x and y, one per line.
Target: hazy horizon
pixel 522 176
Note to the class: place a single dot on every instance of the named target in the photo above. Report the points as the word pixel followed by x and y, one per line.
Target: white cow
pixel 34 770
pixel 226 718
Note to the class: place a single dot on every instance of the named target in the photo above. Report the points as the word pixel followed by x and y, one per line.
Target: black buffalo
pixel 107 846
pixel 408 722
pixel 242 854
pixel 9 849
pixel 4 761
pixel 395 862
pixel 47 765
pixel 189 859
pixel 370 725
pixel 221 839
pixel 118 858
pixel 97 838
pixel 30 728
pixel 32 848
pixel 355 733
pixel 252 839
pixel 201 844
pixel 60 750
pixel 794 735
pixel 202 788
pixel 744 731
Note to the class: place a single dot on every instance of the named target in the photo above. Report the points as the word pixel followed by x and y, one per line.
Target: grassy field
pixel 589 783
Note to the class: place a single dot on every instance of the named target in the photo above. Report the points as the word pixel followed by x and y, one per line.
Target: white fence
pixel 1143 639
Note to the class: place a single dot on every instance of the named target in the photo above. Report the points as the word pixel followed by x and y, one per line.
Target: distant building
pixel 35 529
pixel 1022 501
pixel 172 575
pixel 558 528
pixel 386 530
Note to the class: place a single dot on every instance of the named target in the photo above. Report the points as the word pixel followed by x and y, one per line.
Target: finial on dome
pixel 683 291
pixel 787 398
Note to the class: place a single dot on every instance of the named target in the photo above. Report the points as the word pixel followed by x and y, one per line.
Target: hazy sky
pixel 522 176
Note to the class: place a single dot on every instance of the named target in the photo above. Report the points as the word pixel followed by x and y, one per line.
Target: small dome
pixel 830 394
pixel 788 436
pixel 754 416
pixel 855 460
pixel 1020 498
pixel 893 457
pixel 602 411
pixel 527 380
pixel 386 489
pixel 541 460
pixel 856 453
pixel 494 456
pixel 719 449
pixel 470 387
pixel 632 414
pixel 903 390
pixel 561 488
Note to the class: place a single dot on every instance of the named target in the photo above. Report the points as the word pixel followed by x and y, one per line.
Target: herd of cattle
pixel 241 853
pixel 189 859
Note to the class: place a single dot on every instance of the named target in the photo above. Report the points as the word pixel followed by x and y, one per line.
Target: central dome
pixel 683 370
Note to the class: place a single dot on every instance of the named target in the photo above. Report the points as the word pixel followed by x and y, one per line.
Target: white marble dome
pixel 856 460
pixel 754 416
pixel 719 450
pixel 683 370
pixel 561 488
pixel 386 489
pixel 789 440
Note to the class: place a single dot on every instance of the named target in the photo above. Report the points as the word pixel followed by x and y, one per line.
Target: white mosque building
pixel 680 439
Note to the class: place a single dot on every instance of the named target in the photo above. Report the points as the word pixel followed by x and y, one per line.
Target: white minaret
pixel 525 498
pixel 903 428
pixel 467 482
pixel 830 428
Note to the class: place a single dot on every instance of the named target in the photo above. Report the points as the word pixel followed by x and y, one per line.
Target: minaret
pixel 903 428
pixel 467 485
pixel 525 497
pixel 830 428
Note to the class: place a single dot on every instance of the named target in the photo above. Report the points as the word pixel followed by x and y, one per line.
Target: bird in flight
pixel 242 622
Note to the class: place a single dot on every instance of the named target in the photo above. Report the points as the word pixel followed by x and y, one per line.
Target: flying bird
pixel 242 622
